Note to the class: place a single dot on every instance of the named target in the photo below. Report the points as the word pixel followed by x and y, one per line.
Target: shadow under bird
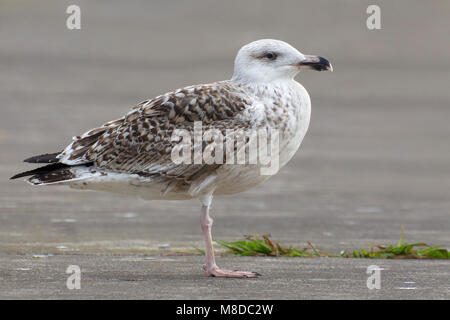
pixel 134 154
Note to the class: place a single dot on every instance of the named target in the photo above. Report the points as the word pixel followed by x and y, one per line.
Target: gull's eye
pixel 270 55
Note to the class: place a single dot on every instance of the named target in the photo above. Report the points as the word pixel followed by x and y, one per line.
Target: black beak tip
pixel 317 63
pixel 323 65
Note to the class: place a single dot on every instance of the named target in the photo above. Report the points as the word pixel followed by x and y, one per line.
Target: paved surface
pixel 178 277
pixel 376 156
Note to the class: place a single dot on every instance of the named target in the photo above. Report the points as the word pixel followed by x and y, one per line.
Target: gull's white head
pixel 271 60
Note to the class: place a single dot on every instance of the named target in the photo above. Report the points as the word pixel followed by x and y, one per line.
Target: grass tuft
pixel 418 250
pixel 264 246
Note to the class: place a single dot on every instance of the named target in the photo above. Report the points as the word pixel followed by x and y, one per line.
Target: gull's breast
pixel 298 110
pixel 286 108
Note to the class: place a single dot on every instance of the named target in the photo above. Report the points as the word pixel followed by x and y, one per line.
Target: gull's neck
pixel 263 87
pixel 261 79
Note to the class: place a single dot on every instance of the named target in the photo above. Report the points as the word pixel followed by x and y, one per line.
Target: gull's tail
pixel 43 158
pixel 54 172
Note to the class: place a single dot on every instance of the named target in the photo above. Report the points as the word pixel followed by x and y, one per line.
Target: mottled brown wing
pixel 141 142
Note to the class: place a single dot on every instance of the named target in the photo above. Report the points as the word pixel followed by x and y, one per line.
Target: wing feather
pixel 140 142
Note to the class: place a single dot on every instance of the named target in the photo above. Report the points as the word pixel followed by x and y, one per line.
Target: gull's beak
pixel 315 63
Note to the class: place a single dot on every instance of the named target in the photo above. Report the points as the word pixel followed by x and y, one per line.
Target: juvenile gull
pixel 133 155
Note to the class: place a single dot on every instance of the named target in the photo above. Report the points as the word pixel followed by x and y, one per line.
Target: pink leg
pixel 210 267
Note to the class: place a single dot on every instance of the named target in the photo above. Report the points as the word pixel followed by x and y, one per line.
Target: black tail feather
pixel 43 158
pixel 41 170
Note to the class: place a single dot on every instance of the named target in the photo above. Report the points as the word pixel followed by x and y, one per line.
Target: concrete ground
pixel 130 276
pixel 376 156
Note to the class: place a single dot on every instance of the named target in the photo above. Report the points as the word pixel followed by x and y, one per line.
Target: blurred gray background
pixel 376 156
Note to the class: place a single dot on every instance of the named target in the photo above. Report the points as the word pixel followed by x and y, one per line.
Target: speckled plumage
pixel 139 143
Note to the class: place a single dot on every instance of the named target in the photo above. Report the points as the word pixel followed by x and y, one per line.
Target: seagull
pixel 134 155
